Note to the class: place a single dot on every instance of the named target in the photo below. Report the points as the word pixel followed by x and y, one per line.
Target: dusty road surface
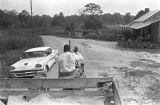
pixel 138 72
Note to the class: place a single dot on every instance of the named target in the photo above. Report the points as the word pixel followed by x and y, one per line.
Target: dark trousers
pixel 73 74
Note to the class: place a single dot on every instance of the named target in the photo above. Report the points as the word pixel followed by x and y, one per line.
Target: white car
pixel 35 61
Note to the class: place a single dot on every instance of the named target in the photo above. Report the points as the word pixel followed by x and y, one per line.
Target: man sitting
pixel 79 57
pixel 79 61
pixel 66 63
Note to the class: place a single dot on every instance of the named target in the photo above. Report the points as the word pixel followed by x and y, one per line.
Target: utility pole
pixel 31 17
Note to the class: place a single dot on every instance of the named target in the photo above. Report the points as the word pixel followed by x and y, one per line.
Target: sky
pixel 71 7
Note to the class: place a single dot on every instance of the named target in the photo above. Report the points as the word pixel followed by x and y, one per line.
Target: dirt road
pixel 98 55
pixel 138 72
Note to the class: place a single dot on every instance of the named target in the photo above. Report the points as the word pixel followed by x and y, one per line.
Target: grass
pixel 55 31
pixel 10 42
pixel 12 46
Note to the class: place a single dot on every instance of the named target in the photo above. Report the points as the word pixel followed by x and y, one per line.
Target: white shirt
pixel 79 56
pixel 66 62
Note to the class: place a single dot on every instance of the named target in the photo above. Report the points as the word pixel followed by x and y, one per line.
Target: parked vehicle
pixel 35 61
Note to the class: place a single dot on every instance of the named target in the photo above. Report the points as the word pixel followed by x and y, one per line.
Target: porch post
pixel 141 32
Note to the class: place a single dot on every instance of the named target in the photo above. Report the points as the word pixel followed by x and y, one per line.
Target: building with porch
pixel 146 26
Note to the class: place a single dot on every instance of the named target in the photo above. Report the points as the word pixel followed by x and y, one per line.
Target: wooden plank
pixel 117 97
pixel 53 83
pixel 62 93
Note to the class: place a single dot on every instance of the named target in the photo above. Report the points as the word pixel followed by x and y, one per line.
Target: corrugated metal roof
pixel 140 25
pixel 146 16
pixel 140 22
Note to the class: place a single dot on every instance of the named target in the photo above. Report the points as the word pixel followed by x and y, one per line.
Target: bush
pixel 12 43
pixel 106 34
pixel 8 59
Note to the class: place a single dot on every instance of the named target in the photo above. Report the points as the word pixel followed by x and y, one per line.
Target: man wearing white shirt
pixel 79 56
pixel 79 60
pixel 66 63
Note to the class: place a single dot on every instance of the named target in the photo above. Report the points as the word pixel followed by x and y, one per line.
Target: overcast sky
pixel 70 7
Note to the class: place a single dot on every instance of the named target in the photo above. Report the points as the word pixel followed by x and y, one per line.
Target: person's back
pixel 66 62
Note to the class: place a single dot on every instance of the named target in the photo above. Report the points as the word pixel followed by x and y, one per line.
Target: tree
pixel 24 18
pixel 24 13
pixel 45 20
pixel 141 12
pixel 93 22
pixel 92 9
pixel 58 20
pixel 90 16
pixel 8 19
pixel 128 17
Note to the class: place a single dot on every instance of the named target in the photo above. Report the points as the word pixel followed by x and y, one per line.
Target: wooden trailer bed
pixel 29 88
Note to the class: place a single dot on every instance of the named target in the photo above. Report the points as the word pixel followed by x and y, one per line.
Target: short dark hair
pixel 66 47
pixel 75 49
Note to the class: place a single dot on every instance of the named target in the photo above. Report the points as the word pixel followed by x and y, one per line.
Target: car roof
pixel 37 49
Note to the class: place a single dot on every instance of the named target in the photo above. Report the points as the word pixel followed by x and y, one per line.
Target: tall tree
pixel 92 9
pixel 24 18
pixel 8 19
pixel 59 20
pixel 128 17
pixel 90 16
pixel 141 12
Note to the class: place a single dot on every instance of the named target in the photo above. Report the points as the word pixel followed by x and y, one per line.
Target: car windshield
pixel 34 54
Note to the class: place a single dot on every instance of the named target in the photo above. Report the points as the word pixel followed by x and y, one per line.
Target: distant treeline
pixel 13 19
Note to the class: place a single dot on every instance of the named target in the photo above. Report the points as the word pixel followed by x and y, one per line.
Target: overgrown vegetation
pixel 90 22
pixel 109 34
pixel 12 46
pixel 130 40
pixel 13 19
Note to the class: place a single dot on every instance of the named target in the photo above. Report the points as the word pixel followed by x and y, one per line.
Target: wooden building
pixel 147 26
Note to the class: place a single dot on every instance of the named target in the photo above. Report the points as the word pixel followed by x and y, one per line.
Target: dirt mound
pixel 46 99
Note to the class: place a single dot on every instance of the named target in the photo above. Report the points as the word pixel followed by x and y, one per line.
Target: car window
pixel 34 54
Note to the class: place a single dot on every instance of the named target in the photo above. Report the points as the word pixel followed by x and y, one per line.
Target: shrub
pixel 106 34
pixel 8 59
pixel 12 43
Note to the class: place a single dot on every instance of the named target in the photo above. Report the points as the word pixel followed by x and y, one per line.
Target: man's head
pixel 75 49
pixel 66 48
